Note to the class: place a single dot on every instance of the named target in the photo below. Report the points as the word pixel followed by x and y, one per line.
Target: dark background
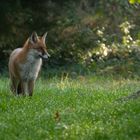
pixel 101 36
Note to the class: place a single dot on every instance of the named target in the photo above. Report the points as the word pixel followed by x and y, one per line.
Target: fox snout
pixel 45 56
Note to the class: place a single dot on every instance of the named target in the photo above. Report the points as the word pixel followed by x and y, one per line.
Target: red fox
pixel 25 64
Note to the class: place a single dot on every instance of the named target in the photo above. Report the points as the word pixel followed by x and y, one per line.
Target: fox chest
pixel 30 69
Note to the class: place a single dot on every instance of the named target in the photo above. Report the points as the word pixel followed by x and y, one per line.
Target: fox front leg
pixel 31 87
pixel 25 88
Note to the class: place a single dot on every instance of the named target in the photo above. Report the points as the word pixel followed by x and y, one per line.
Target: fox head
pixel 38 45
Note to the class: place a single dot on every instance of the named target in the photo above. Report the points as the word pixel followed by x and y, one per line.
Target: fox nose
pixel 46 56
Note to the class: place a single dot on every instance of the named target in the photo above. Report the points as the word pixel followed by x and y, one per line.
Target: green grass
pixel 84 108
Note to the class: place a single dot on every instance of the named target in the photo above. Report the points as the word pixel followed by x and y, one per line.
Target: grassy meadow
pixel 84 108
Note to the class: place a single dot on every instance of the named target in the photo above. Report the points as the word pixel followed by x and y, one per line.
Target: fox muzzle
pixel 45 56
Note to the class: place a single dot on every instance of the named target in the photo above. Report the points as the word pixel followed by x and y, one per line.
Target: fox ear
pixel 44 37
pixel 33 38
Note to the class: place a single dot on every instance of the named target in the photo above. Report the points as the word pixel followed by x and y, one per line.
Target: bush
pixel 81 32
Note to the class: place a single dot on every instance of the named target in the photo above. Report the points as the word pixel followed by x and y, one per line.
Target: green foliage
pixel 116 57
pixel 82 108
pixel 79 32
pixel 134 1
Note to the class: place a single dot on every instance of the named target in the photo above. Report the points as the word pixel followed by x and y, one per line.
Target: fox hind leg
pixel 19 88
pixel 14 85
